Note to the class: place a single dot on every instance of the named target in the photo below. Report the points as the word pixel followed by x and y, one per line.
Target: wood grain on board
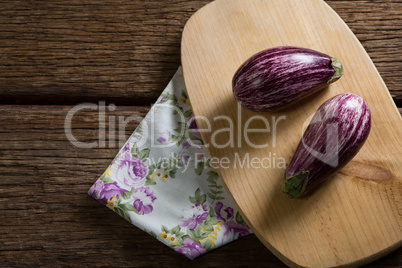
pixel 329 227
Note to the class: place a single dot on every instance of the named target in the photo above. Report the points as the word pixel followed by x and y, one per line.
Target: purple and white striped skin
pixel 278 77
pixel 335 134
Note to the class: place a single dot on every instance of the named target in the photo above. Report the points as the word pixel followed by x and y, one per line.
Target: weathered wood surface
pixel 126 51
pixel 48 219
pixel 55 54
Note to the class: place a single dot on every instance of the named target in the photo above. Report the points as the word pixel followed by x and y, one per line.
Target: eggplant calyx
pixel 295 185
pixel 337 66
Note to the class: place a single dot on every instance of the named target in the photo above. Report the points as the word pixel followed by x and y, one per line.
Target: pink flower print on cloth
pixel 197 214
pixel 129 171
pixel 104 192
pixel 190 249
pixel 143 200
pixel 193 126
pixel 232 228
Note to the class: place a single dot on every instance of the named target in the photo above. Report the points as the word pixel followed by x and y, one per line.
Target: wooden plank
pixel 377 25
pixel 127 51
pixel 47 219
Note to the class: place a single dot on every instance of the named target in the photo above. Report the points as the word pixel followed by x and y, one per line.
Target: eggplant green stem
pixel 295 185
pixel 337 66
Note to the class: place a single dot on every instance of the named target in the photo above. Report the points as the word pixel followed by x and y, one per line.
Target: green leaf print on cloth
pixel 162 182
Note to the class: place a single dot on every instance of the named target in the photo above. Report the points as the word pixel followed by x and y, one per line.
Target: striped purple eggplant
pixel 335 134
pixel 275 78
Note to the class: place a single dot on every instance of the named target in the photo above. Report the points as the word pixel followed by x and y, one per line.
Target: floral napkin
pixel 162 182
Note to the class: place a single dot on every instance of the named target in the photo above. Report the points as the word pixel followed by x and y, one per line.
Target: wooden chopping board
pixel 355 217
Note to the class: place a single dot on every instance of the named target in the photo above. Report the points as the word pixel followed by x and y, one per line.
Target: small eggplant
pixel 275 78
pixel 335 134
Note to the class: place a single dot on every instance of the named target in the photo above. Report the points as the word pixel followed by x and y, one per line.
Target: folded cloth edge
pixel 162 181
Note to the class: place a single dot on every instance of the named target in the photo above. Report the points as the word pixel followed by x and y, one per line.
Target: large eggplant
pixel 335 134
pixel 275 78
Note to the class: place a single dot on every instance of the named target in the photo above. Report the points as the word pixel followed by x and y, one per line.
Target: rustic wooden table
pixel 55 55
